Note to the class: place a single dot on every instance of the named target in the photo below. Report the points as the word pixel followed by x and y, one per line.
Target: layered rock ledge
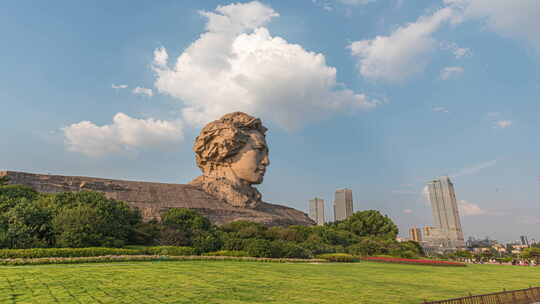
pixel 152 199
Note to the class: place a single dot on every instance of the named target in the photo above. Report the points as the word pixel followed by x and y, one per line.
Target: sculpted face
pixel 233 156
pixel 250 163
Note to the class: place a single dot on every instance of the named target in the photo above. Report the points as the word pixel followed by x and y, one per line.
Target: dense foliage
pixel 89 219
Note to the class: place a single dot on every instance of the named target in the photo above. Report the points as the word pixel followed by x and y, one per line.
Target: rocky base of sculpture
pixel 153 199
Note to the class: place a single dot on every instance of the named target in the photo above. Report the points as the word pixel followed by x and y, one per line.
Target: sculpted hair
pixel 223 138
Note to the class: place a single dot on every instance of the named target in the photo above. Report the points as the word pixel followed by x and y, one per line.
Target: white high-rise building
pixel 445 213
pixel 343 204
pixel 316 210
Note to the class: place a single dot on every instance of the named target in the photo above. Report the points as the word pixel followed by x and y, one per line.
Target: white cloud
pixel 402 54
pixel 125 133
pixel 324 4
pixel 237 65
pixel 458 52
pixel 469 209
pixel 451 72
pixel 503 123
pixel 475 168
pixel 161 56
pixel 143 91
pixel 515 18
pixel 440 109
pixel 356 2
pixel 119 86
pixel 407 211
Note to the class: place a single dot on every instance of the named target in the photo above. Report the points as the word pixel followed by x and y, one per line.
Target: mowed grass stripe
pixel 252 282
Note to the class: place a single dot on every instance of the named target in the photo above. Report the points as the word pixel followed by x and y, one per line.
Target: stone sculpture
pixel 233 156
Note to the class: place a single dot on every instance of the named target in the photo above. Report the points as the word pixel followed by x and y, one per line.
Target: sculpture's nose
pixel 265 161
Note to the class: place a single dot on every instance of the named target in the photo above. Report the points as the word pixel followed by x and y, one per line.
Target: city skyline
pixel 367 94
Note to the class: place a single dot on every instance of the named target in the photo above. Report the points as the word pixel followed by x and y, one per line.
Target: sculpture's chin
pixel 256 181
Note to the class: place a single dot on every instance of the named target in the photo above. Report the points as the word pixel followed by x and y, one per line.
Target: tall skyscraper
pixel 343 204
pixel 445 212
pixel 415 234
pixel 316 210
pixel 524 240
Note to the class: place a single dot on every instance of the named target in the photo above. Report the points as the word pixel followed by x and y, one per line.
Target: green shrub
pixel 64 252
pixel 86 219
pixel 232 242
pixel 169 250
pixel 261 248
pixel 285 249
pixel 338 257
pixel 17 191
pixel 245 229
pixel 185 220
pixel 231 253
pixel 316 247
pixel 26 225
pixel 369 223
pixel 205 241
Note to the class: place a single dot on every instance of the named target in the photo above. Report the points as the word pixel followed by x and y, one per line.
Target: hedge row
pixel 230 253
pixel 92 252
pixel 133 258
pixel 339 257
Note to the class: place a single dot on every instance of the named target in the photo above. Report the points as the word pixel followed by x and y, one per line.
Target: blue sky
pixel 379 96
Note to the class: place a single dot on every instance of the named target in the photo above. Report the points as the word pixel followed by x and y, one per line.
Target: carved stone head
pixel 233 155
pixel 235 144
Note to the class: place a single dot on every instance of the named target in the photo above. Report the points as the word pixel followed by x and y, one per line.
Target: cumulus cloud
pixel 237 65
pixel 143 91
pixel 516 18
pixel 403 53
pixel 457 51
pixel 356 2
pixel 161 56
pixel 119 86
pixel 451 72
pixel 125 133
pixel 469 209
pixel 503 123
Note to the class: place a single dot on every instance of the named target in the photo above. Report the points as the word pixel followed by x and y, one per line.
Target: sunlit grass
pixel 252 282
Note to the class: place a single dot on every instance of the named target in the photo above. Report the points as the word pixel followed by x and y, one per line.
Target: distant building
pixel 429 233
pixel 524 240
pixel 445 213
pixel 415 234
pixel 477 243
pixel 316 210
pixel 343 204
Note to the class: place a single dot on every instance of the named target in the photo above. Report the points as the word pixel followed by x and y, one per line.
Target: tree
pixel 26 225
pixel 90 219
pixel 369 223
pixel 185 220
pixel 531 253
pixel 4 180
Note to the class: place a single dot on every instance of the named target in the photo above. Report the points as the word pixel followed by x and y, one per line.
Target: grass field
pixel 252 282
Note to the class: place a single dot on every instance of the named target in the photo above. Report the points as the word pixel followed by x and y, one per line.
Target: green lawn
pixel 252 282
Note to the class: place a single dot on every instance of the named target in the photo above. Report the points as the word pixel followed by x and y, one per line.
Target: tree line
pixel 87 219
